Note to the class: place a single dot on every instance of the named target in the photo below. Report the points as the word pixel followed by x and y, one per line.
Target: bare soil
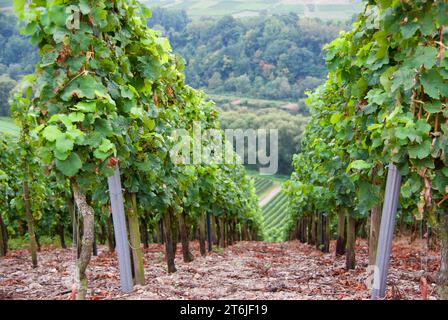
pixel 247 270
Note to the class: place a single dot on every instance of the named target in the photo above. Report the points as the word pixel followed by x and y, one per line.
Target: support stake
pixel 121 234
pixel 209 233
pixel 386 232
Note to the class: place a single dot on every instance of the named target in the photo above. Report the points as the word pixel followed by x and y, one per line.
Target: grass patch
pixel 218 250
pixel 221 99
pixel 23 242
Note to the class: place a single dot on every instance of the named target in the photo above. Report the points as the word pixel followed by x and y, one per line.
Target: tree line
pixel 290 129
pixel 270 57
pixel 17 58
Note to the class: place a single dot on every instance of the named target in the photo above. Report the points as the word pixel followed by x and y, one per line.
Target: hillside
pixel 273 203
pixel 323 9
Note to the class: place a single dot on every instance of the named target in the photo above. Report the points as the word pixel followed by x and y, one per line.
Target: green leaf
pixel 377 96
pixel 19 7
pixel 58 15
pixel 149 124
pixel 146 12
pixel 150 68
pixel 103 151
pixel 76 117
pixel 106 145
pixel 359 89
pixel 93 139
pixel 359 165
pixel 402 133
pixel 61 117
pixel 432 82
pixel 423 56
pixel 433 107
pixel 368 195
pixel 86 106
pixel 409 29
pixel 48 59
pixel 51 133
pixel 422 127
pixel 84 6
pixel 427 23
pixel 64 143
pixel 137 112
pixel 374 126
pixel 403 77
pixel 104 127
pixel 445 171
pixel 99 16
pixel 335 118
pixel 440 182
pixel 385 78
pixel 126 92
pixel 59 36
pixel 420 151
pixel 411 186
pixel 83 87
pixel 70 166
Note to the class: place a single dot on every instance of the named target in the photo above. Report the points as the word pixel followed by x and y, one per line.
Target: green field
pixel 8 126
pixel 228 102
pixel 324 9
pixel 262 185
pixel 233 101
pixel 275 215
pixel 274 212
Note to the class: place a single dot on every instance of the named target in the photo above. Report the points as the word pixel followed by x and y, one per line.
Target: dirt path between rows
pixel 247 270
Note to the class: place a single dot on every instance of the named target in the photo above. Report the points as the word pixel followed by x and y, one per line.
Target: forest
pixel 17 58
pixel 93 205
pixel 277 57
pixel 289 126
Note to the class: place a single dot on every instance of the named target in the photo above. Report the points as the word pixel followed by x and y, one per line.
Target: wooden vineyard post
pixel 209 233
pixel 162 235
pixel 121 234
pixel 386 232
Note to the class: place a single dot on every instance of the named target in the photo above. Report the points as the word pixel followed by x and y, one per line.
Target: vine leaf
pixel 432 82
pixel 64 143
pixel 423 56
pixel 70 166
pixel 359 165
pixel 404 77
pixel 420 151
pixel 86 106
pixel 51 133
